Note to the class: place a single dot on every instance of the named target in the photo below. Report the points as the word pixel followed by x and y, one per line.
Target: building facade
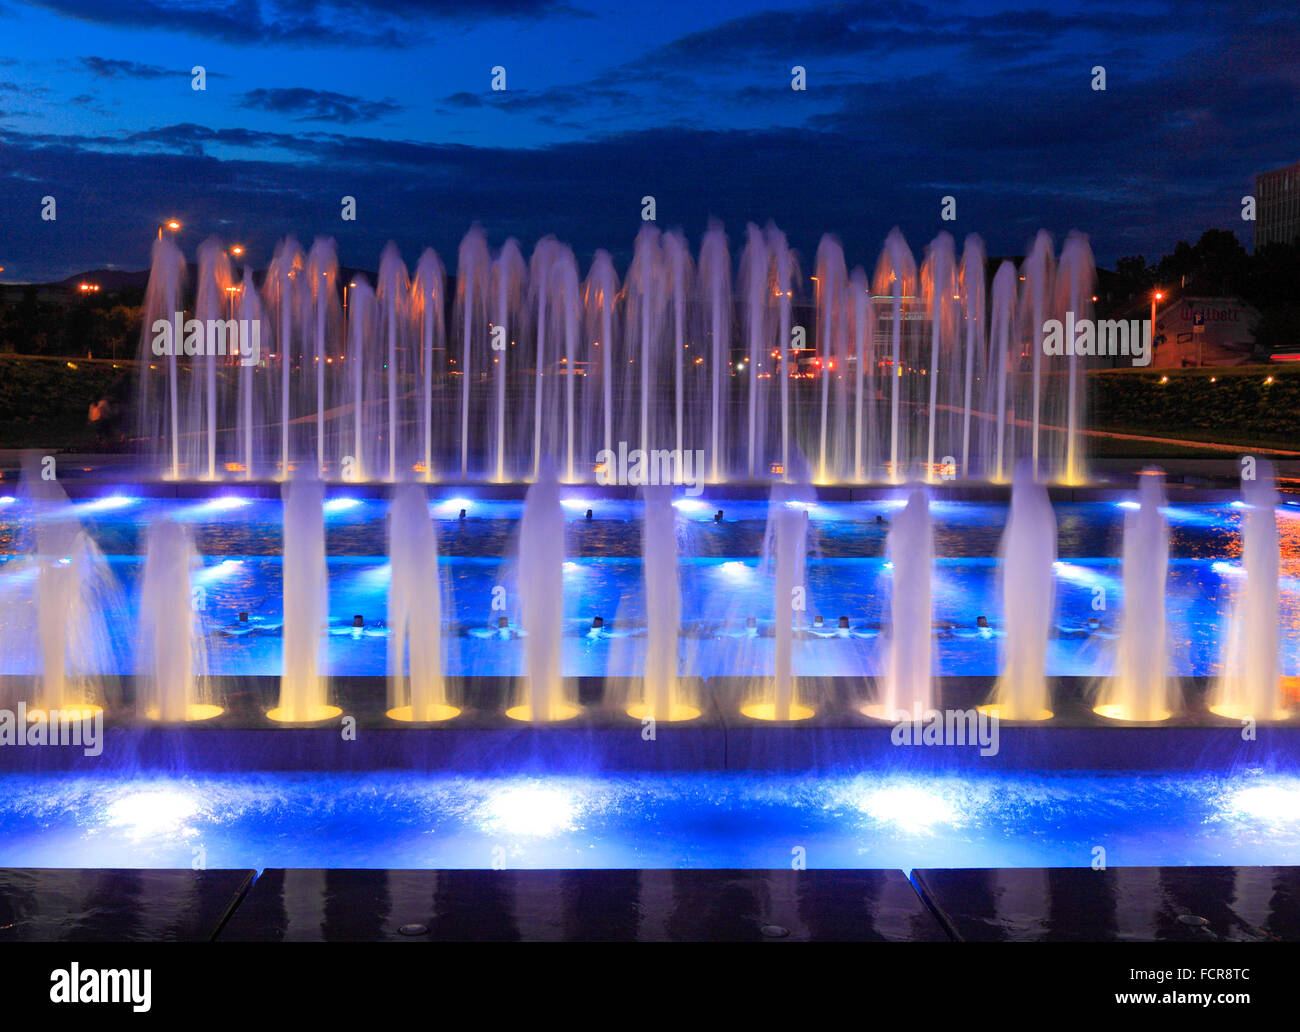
pixel 1277 206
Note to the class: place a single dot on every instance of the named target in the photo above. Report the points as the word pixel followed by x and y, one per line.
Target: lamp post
pixel 1157 296
pixel 170 224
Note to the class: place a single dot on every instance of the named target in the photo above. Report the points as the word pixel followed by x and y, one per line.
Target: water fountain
pixel 417 687
pixel 304 686
pixel 171 681
pixel 1027 587
pixel 60 607
pixel 663 694
pixel 785 553
pixel 908 379
pixel 1142 689
pixel 907 691
pixel 545 695
pixel 1250 685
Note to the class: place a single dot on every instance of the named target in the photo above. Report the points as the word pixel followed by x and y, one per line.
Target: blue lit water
pixel 724 820
pixel 722 582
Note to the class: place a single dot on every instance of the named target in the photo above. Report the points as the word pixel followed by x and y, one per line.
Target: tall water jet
pixel 172 656
pixel 785 555
pixel 545 694
pixel 1038 274
pixel 679 281
pixel 428 302
pixel 472 319
pixel 159 394
pixel 281 290
pixel 972 284
pixel 509 278
pixel 1249 685
pixel 252 417
pixel 715 290
pixel 784 272
pixel 1076 276
pixel 896 278
pixel 358 383
pixel 322 329
pixel 1142 689
pixel 828 299
pixel 646 288
pixel 861 315
pixel 304 688
pixel 417 686
pixel 908 691
pixel 397 368
pixel 1028 590
pixel 600 302
pixel 663 695
pixel 754 290
pixel 1003 358
pixel 939 295
pixel 214 303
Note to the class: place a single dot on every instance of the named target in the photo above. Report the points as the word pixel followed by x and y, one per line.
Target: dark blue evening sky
pixel 390 102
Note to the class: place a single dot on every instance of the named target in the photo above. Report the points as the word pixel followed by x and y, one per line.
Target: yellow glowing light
pixel 1237 712
pixel 285 715
pixel 80 712
pixel 1000 712
pixel 561 711
pixel 676 711
pixel 172 224
pixel 235 467
pixel 431 715
pixel 767 711
pixel 1118 711
pixel 194 711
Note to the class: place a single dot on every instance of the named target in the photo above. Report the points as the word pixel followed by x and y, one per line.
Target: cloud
pixel 305 105
pixel 113 68
pixel 383 23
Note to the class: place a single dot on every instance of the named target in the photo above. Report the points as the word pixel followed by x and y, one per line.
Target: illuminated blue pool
pixel 240 540
pixel 848 820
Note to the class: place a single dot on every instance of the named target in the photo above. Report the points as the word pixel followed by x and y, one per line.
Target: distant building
pixel 1204 331
pixel 1277 206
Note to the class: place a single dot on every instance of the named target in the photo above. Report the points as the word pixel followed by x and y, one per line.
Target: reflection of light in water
pixel 203 510
pixel 575 503
pixel 733 569
pixel 452 505
pixel 219 571
pixel 571 567
pixel 1128 505
pixel 1267 802
pixel 150 813
pixel 1228 569
pixel 689 505
pixel 1076 574
pixel 910 807
pixel 7 499
pixel 530 810
pixel 341 504
pixel 106 503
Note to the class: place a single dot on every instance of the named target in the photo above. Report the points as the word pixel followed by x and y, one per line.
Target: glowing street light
pixel 171 224
pixel 237 250
pixel 1156 297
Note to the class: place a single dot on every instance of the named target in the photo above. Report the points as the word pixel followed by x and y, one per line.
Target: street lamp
pixel 237 250
pixel 1157 296
pixel 170 224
